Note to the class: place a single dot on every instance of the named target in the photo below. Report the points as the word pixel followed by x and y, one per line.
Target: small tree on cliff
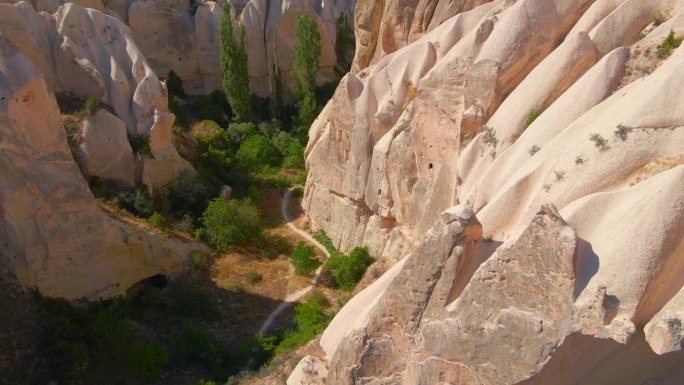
pixel 234 66
pixel 307 53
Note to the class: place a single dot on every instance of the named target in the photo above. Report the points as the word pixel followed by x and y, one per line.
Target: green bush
pixel 253 277
pixel 175 85
pixel 348 270
pixel 311 318
pixel 73 359
pixel 200 261
pixel 196 345
pixel 90 106
pixel 136 201
pixel 108 331
pixel 189 195
pixel 157 220
pixel 294 156
pixel 533 115
pixel 147 360
pixel 140 144
pixel 256 153
pixel 304 259
pixel 230 223
pixel 670 43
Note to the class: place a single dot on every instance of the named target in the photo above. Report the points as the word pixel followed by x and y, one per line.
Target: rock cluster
pixel 505 108
pixel 52 234
pixel 83 52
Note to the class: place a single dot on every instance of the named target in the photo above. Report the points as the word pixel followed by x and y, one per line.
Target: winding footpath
pixel 296 296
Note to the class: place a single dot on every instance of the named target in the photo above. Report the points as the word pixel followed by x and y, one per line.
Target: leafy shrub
pixel 109 331
pixel 140 144
pixel 73 359
pixel 200 261
pixel 253 277
pixel 196 345
pixel 311 318
pixel 157 220
pixel 257 152
pixel 304 259
pixel 670 43
pixel 90 106
pixel 348 270
pixel 294 156
pixel 230 223
pixel 175 85
pixel 533 115
pixel 189 195
pixel 147 360
pixel 136 201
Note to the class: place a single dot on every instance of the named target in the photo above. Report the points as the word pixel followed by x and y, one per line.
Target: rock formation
pixel 104 151
pixel 86 53
pixel 52 234
pixel 509 108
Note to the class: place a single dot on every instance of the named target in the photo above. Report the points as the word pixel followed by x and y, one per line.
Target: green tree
pixel 304 259
pixel 232 222
pixel 307 54
pixel 234 66
pixel 257 152
pixel 148 360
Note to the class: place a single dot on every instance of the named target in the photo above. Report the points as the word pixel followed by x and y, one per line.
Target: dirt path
pixel 296 296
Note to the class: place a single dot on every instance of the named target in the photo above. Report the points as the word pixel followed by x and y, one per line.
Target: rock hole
pixel 157 281
pixel 430 166
pixel 379 192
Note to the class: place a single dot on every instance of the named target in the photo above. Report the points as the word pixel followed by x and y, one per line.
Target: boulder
pixel 104 151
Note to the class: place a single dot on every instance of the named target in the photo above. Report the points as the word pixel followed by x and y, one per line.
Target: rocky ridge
pixel 53 235
pixel 183 36
pixel 510 109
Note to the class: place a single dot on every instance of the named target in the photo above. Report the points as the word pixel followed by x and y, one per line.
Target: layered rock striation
pixel 557 124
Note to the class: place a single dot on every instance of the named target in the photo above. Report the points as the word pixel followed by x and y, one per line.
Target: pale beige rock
pixel 89 54
pixel 226 193
pixel 310 370
pixel 399 143
pixel 56 238
pixel 105 151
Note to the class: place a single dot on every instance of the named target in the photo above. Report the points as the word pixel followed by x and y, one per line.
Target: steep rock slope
pixel 183 36
pixel 86 53
pixel 507 108
pixel 52 234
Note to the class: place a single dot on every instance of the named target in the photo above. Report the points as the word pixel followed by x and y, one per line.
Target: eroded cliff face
pixel 53 235
pixel 83 52
pixel 557 123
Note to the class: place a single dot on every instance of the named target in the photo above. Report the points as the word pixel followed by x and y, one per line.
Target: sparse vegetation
pixel 157 220
pixel 311 318
pixel 546 187
pixel 533 115
pixel 304 259
pixel 579 160
pixel 534 149
pixel 670 43
pixel 560 175
pixel 622 132
pixel 600 142
pixel 140 144
pixel 489 138
pixel 253 277
pixel 148 360
pixel 200 261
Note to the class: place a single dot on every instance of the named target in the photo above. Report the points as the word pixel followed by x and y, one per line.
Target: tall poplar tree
pixel 307 54
pixel 234 66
